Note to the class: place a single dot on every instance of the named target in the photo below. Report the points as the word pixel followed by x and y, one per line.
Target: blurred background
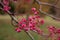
pixel 7 31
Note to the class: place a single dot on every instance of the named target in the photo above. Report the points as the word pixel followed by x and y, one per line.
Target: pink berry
pixel 38 31
pixel 30 18
pixel 34 28
pixel 31 28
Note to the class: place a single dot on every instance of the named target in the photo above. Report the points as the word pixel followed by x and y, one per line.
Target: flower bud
pixel 18 29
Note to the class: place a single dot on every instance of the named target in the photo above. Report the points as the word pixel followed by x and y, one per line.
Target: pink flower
pixel 34 28
pixel 30 25
pixel 20 22
pixel 26 29
pixel 52 29
pixel 33 17
pixel 30 18
pixel 24 20
pixel 6 2
pixel 37 16
pixel 36 12
pixel 23 25
pixel 33 9
pixel 18 29
pixel 58 31
pixel 39 31
pixel 34 23
pixel 6 8
pixel 58 38
pixel 42 22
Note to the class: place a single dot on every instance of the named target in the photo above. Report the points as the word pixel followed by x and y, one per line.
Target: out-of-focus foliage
pixel 12 6
pixel 21 10
pixel 1 12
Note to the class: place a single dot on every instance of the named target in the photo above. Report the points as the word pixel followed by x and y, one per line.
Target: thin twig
pixel 29 34
pixel 49 15
pixel 43 3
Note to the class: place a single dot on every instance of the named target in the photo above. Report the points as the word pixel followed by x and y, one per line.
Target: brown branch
pixel 47 4
pixel 49 15
pixel 42 3
pixel 29 34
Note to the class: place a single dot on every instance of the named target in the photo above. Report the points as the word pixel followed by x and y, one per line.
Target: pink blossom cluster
pixel 35 11
pixel 27 25
pixel 6 6
pixel 31 23
pixel 54 31
pixel 6 2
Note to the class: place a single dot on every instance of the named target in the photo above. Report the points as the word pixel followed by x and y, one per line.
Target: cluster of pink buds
pixel 28 25
pixel 54 31
pixel 58 31
pixel 31 23
pixel 6 2
pixel 6 6
pixel 35 11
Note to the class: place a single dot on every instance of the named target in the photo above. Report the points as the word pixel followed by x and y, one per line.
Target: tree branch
pixel 47 4
pixel 49 15
pixel 42 3
pixel 29 34
pixel 15 19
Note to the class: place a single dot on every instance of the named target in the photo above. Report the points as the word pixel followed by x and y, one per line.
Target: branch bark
pixel 47 4
pixel 49 15
pixel 42 3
